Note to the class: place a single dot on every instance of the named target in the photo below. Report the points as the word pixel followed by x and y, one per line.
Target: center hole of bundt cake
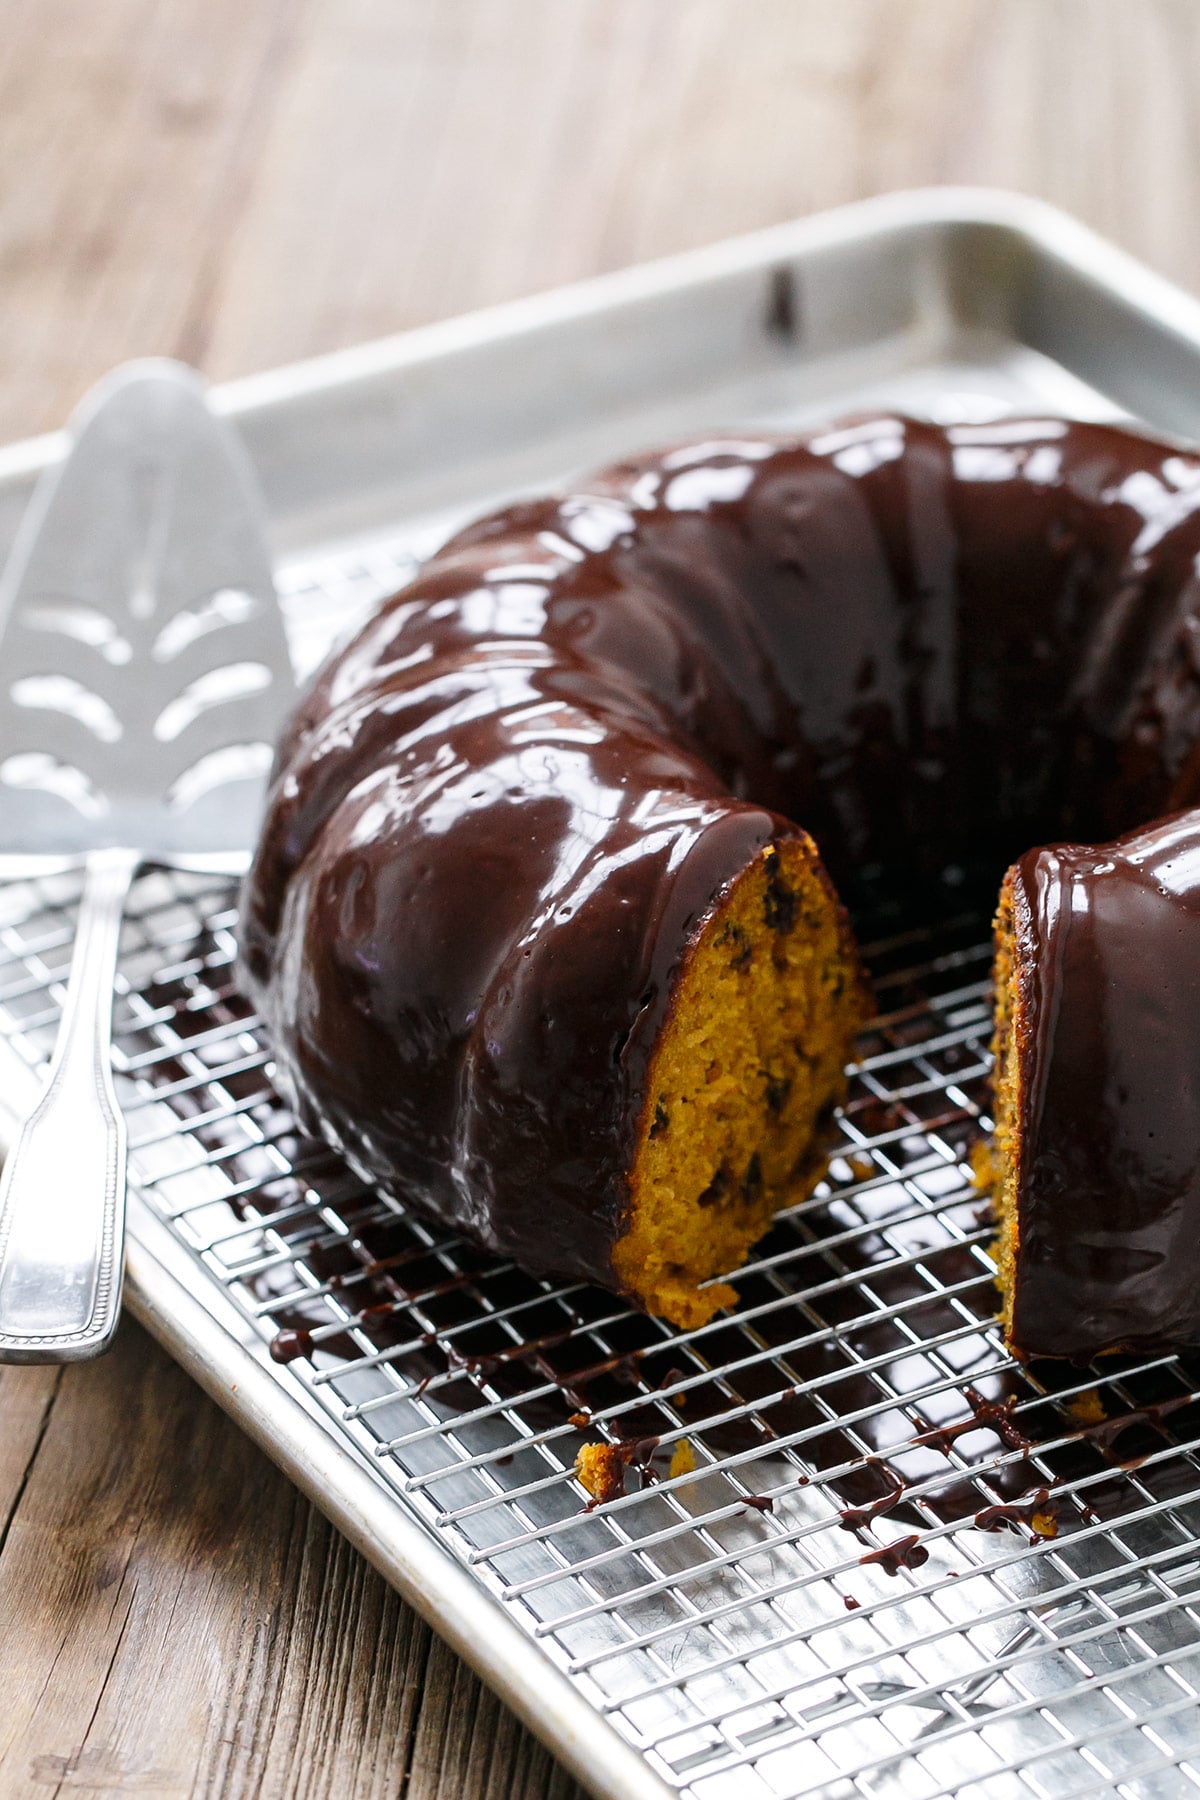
pixel 748 1067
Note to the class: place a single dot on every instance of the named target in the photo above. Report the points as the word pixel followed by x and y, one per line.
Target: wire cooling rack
pixel 900 1565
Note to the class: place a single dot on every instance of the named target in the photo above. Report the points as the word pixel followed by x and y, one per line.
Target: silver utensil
pixel 144 674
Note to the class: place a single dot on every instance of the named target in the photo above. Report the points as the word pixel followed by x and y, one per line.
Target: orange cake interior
pixel 1007 1083
pixel 746 1071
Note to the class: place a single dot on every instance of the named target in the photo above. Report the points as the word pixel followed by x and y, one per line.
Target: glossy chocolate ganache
pixel 507 814
pixel 1101 1179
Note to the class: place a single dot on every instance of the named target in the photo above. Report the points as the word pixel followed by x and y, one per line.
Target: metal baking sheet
pixel 781 1621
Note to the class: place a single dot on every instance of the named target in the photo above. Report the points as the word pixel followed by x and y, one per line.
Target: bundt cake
pixel 537 924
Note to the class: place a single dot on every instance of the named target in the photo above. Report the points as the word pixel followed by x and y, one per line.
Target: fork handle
pixel 62 1198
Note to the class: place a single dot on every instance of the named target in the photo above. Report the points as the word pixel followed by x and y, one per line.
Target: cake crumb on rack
pixel 1087 1407
pixel 683 1460
pixel 600 1468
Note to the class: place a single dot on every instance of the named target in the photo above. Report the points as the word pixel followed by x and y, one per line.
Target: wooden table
pixel 240 182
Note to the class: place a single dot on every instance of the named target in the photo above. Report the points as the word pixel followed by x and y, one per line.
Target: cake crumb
pixel 600 1468
pixel 984 1164
pixel 683 1460
pixel 1045 1524
pixel 1087 1407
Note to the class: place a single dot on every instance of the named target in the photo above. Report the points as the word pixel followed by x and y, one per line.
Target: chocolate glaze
pixel 1038 1506
pixel 1109 1048
pixel 997 1415
pixel 501 813
pixel 860 1518
pixel 289 1346
pixel 903 1553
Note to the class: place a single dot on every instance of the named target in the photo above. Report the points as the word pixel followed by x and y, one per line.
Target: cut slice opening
pixel 1007 1102
pixel 747 1072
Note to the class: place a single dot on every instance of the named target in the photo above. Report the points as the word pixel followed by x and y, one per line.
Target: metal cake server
pixel 144 675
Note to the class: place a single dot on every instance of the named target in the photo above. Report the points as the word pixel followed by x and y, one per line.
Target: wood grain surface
pixel 242 182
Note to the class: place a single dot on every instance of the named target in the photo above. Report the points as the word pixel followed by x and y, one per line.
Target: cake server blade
pixel 145 676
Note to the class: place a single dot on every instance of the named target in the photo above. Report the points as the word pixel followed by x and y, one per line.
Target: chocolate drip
pixel 289 1346
pixel 1038 1515
pixel 904 1553
pixel 859 1518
